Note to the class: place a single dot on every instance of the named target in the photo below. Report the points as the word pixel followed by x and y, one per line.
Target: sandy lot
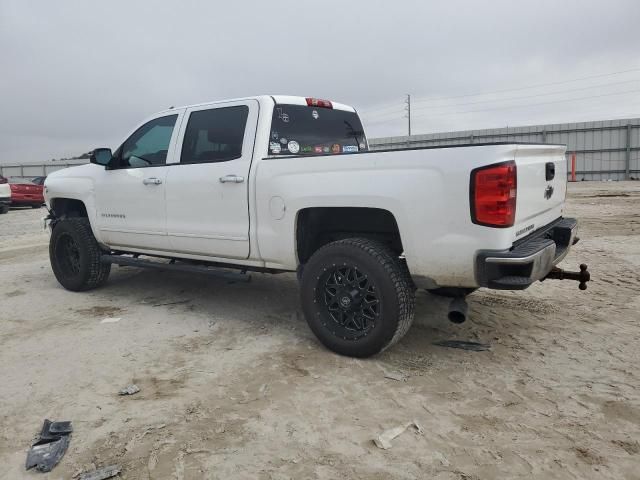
pixel 234 385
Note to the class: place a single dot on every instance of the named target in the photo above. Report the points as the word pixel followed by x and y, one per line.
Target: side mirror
pixel 101 156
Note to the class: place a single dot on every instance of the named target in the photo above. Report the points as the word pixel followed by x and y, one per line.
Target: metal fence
pixel 36 169
pixel 604 150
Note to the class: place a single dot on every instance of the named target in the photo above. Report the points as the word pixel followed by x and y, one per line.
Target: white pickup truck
pixel 287 184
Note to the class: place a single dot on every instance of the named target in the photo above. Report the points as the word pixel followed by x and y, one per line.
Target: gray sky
pixel 77 75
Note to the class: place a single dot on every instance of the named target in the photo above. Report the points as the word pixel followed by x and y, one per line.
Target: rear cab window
pixel 311 130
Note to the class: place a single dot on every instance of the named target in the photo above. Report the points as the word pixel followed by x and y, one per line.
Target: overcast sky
pixel 77 75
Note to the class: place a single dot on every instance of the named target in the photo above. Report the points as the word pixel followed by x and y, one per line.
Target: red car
pixel 25 192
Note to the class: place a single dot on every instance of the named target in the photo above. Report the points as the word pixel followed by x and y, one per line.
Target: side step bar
pixel 179 267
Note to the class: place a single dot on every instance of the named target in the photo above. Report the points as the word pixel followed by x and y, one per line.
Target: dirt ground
pixel 235 386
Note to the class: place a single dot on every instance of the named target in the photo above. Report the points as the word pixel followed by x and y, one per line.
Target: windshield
pixel 302 130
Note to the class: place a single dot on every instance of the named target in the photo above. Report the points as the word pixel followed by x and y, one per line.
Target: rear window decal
pixel 283 116
pixel 275 147
pixel 293 146
pixel 350 148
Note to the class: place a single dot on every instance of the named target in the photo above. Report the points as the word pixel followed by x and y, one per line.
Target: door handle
pixel 152 181
pixel 231 179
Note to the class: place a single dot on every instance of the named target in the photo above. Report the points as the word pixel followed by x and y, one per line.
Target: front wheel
pixel 75 255
pixel 357 297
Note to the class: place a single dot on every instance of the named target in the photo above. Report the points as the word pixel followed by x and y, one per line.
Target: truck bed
pixel 425 188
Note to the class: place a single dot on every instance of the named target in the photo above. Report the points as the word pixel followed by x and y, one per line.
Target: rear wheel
pixel 75 255
pixel 357 297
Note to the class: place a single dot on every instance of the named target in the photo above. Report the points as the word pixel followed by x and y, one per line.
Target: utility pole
pixel 408 109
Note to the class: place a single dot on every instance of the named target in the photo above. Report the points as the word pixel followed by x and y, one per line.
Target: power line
pixel 533 86
pixel 436 107
pixel 392 106
pixel 528 96
pixel 534 104
pixel 408 108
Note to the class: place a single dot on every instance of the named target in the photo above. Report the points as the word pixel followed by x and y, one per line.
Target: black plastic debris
pixel 50 447
pixel 102 473
pixel 473 346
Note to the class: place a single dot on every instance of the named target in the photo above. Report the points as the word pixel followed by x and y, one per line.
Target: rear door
pixel 542 186
pixel 207 189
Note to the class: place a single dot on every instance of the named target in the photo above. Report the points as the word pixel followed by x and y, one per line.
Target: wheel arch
pixel 68 207
pixel 318 226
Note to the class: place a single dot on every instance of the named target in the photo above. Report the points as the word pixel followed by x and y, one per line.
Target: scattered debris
pixel 111 320
pixel 397 376
pixel 437 456
pixel 177 302
pixel 473 346
pixel 632 448
pixel 102 473
pixel 50 447
pixel 589 456
pixel 384 439
pixel 129 390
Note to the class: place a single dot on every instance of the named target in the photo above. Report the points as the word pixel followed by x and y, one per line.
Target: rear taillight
pixel 316 102
pixel 493 195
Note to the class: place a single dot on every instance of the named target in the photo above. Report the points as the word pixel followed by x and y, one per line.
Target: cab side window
pixel 147 146
pixel 214 135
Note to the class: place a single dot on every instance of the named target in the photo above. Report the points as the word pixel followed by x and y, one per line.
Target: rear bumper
pixel 27 200
pixel 529 260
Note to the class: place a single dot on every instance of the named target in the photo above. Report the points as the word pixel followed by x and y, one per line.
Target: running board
pixel 179 267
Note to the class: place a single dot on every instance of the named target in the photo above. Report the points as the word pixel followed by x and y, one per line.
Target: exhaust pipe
pixel 458 310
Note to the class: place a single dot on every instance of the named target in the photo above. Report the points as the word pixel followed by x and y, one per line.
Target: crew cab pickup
pixel 288 184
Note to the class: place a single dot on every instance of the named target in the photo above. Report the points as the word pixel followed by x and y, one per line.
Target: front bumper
pixel 529 260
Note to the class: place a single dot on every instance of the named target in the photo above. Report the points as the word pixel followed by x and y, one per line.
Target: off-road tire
pixel 379 267
pixel 75 255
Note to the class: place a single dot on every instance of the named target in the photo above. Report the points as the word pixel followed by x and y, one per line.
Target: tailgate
pixel 542 186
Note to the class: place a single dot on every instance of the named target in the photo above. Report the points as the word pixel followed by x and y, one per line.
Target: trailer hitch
pixel 583 276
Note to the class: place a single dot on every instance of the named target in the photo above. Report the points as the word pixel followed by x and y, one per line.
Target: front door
pixel 130 193
pixel 207 191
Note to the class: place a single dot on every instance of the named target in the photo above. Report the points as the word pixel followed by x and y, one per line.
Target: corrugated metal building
pixel 37 169
pixel 608 149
